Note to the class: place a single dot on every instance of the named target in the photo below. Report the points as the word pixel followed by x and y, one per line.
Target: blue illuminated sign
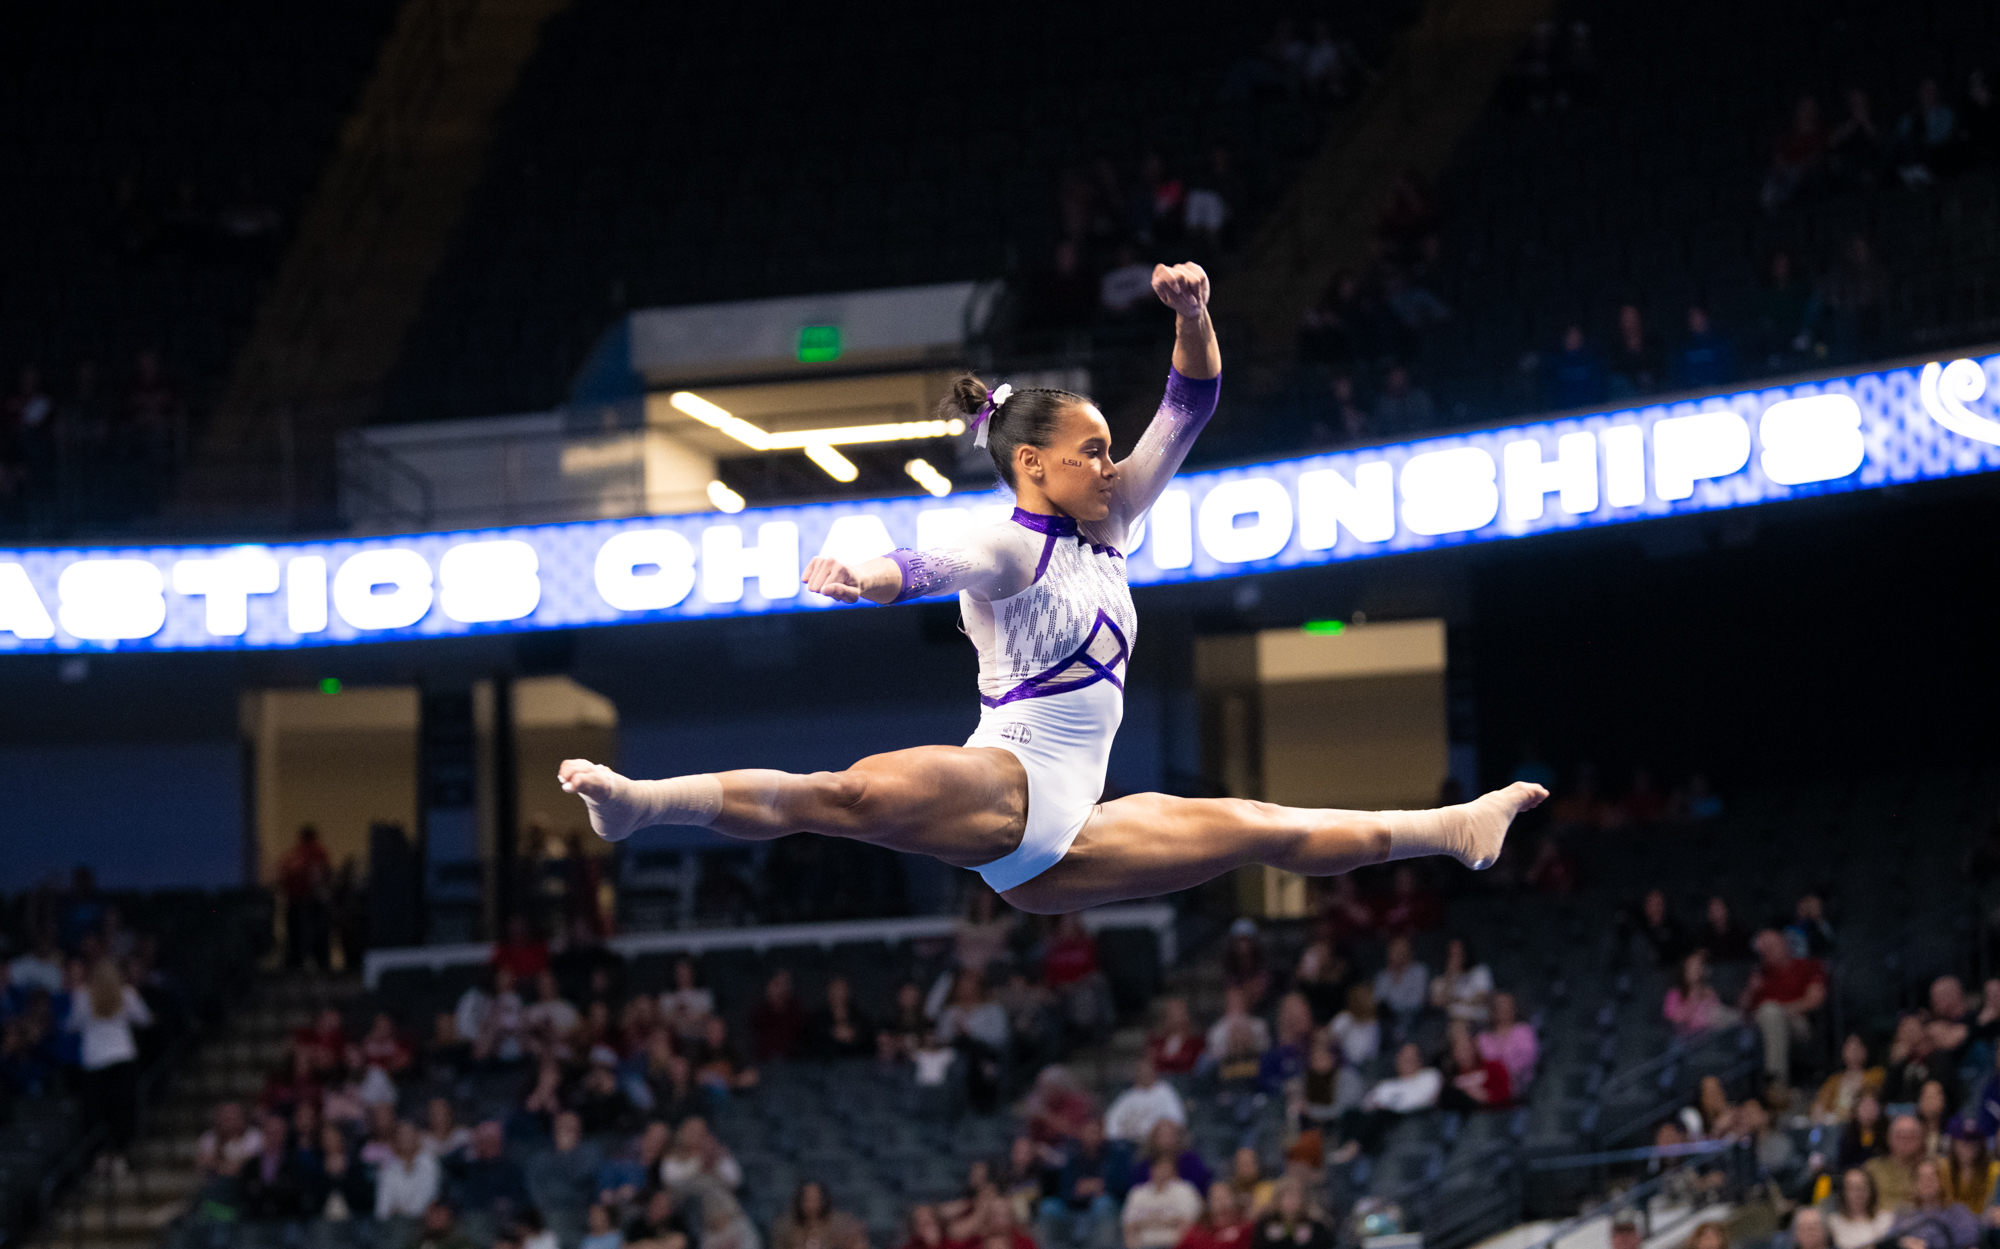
pixel 1726 451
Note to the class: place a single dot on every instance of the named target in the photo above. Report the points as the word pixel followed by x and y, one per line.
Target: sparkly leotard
pixel 1045 600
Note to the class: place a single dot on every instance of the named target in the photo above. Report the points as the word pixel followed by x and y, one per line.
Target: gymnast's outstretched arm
pixel 1192 389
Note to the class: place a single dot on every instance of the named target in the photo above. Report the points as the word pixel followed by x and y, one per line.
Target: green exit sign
pixel 819 343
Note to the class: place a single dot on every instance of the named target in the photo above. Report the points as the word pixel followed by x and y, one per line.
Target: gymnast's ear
pixel 1028 462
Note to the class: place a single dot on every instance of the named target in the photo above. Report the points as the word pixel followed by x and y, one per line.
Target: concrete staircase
pixel 135 1209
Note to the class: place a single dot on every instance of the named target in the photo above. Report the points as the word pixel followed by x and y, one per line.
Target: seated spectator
pixel 384 1047
pixel 1858 1219
pixel 41 967
pixel 1798 157
pixel 1774 1150
pixel 724 1225
pixel 551 1019
pixel 1414 1089
pixel 1159 1212
pixel 1784 316
pixel 1638 364
pixel 1782 997
pixel 407 1182
pixel 443 1136
pixel 1213 197
pixel 1403 985
pixel 1712 1117
pixel 1931 1112
pixel 268 1185
pixel 631 1170
pixel 1285 1062
pixel 1712 1234
pixel 1720 936
pixel 1949 1021
pixel 1325 1089
pixel 1225 1224
pixel 1057 1107
pixel 697 1157
pixel 717 1066
pixel 1553 870
pixel 322 1044
pixel 1071 971
pixel 332 1184
pixel 1403 406
pixel 1473 1081
pixel 1175 1047
pixel 228 1144
pixel 447 1054
pixel 488 1184
pixel 1324 975
pixel 840 1029
pixel 440 1229
pixel 1656 929
pixel 922 1229
pixel 493 1023
pixel 600 1232
pixel 600 1101
pixel 1706 357
pixel 1809 934
pixel 1692 1005
pixel 1464 989
pixel 1838 1094
pixel 777 1021
pixel 1913 1062
pixel 1968 1170
pixel 531 1231
pixel 1346 913
pixel 662 1224
pixel 1358 1029
pixel 1866 1135
pixel 1573 377
pixel 1027 1178
pixel 1088 1189
pixel 1414 306
pixel 1512 1043
pixel 686 1007
pixel 1895 1172
pixel 1926 137
pixel 1930 1220
pixel 292 1083
pixel 1246 965
pixel 976 1026
pixel 1134 1112
pixel 1986 1020
pixel 1237 1041
pixel 1169 1140
pixel 813 1223
pixel 1248 1186
pixel 1289 1224
pixel 563 1179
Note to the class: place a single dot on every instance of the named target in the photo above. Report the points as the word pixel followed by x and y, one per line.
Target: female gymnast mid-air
pixel 1045 600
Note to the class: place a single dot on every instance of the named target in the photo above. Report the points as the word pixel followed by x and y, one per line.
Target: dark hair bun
pixel 968 395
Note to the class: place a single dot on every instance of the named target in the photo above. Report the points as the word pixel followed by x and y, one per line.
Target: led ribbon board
pixel 1761 446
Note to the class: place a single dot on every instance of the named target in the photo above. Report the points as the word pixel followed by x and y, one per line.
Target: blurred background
pixel 302 945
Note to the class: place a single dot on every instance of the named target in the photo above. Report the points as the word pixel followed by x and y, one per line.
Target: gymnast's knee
pixel 840 804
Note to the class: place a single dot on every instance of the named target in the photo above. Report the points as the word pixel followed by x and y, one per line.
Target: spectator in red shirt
pixel 1475 1082
pixel 777 1022
pixel 1177 1046
pixel 1224 1225
pixel 1070 970
pixel 521 952
pixel 384 1047
pixel 1781 997
pixel 1348 915
pixel 322 1044
pixel 1245 964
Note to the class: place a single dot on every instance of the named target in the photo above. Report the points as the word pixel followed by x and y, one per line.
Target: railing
pixel 370 474
pixel 1640 1196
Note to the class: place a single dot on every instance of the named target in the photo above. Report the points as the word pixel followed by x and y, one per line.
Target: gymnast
pixel 1045 601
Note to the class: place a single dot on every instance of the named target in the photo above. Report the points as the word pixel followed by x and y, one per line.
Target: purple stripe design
pixel 1048 549
pixel 915 584
pixel 1055 526
pixel 1043 684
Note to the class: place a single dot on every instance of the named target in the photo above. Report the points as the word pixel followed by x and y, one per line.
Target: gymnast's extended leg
pixel 1146 845
pixel 963 805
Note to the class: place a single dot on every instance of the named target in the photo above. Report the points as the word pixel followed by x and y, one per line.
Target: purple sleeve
pixel 1184 411
pixel 923 574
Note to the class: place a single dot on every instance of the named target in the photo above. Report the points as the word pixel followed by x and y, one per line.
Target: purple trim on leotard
pixel 1043 684
pixel 916 577
pixel 1055 526
pixel 1194 395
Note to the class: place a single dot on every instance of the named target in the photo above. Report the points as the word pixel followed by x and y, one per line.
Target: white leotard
pixel 1045 600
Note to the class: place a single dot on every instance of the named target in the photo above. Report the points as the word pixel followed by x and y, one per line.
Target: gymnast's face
pixel 1074 472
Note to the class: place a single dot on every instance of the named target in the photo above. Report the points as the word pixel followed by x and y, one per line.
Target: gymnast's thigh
pixel 1146 845
pixel 964 805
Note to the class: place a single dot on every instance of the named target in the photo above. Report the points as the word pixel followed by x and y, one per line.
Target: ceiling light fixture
pixel 837 466
pixel 804 439
pixel 929 478
pixel 725 499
